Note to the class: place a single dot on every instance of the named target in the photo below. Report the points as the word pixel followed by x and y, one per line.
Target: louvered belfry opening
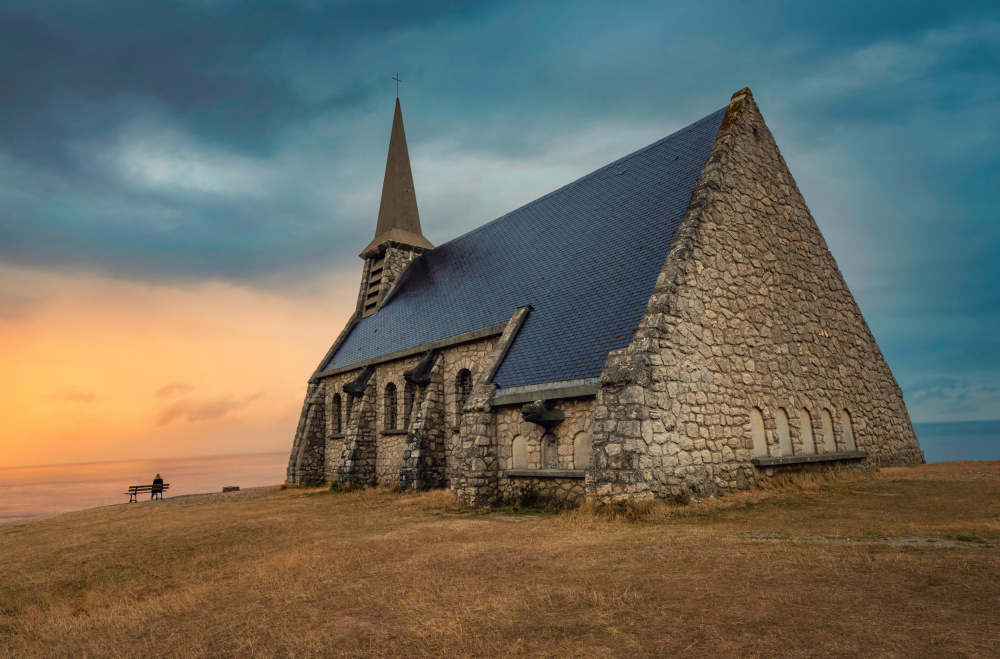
pixel 374 284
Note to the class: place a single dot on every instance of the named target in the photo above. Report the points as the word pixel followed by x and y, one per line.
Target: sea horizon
pixel 53 489
pixel 41 490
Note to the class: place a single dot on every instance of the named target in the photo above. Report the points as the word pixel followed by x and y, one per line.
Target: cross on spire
pixel 397 84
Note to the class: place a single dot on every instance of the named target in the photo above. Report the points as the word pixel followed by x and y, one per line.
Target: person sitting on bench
pixel 157 491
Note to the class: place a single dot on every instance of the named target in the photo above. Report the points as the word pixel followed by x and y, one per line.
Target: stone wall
pixel 307 462
pixel 397 257
pixel 547 490
pixel 750 311
pixel 474 464
pixel 471 356
pixel 511 427
pixel 510 424
pixel 367 451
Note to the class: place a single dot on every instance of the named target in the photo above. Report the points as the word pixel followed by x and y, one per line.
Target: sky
pixel 185 186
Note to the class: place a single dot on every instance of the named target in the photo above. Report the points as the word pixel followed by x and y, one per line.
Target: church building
pixel 672 324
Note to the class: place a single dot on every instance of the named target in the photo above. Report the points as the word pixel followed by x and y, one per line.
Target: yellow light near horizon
pixel 87 374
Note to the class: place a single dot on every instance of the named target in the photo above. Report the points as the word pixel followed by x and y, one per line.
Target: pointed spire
pixel 398 218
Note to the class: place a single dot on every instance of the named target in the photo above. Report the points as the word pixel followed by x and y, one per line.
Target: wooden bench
pixel 135 490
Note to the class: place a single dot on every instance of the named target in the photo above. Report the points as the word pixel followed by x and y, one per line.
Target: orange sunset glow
pixel 98 369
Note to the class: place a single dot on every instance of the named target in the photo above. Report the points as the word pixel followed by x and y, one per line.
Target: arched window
pixel 391 407
pixel 408 395
pixel 784 436
pixel 463 387
pixel 848 431
pixel 808 441
pixel 519 457
pixel 829 443
pixel 335 414
pixel 757 433
pixel 581 450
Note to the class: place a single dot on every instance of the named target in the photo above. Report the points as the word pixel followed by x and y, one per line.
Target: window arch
pixel 784 435
pixel 757 433
pixel 391 407
pixel 808 441
pixel 463 387
pixel 581 450
pixel 335 414
pixel 519 454
pixel 848 431
pixel 829 443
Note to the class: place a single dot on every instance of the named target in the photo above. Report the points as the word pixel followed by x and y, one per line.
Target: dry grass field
pixel 905 564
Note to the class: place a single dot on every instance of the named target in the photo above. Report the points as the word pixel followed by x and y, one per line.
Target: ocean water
pixel 959 440
pixel 34 491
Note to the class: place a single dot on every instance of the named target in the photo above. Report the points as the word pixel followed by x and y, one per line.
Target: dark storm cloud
pixel 245 141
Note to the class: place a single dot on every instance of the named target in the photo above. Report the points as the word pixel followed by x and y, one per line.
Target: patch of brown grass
pixel 804 568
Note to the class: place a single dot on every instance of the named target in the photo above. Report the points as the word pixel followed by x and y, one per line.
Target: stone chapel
pixel 671 324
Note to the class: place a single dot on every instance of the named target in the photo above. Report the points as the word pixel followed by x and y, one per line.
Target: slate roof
pixel 585 257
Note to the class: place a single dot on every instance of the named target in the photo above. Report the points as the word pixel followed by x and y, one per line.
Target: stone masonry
pixel 751 361
pixel 750 311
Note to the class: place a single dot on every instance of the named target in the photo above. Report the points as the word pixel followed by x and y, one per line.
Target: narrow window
pixel 335 414
pixel 391 407
pixel 829 444
pixel 757 433
pixel 519 459
pixel 463 387
pixel 848 430
pixel 408 395
pixel 550 451
pixel 808 441
pixel 581 450
pixel 784 436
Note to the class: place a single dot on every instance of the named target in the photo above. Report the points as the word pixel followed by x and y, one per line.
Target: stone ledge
pixel 798 459
pixel 338 435
pixel 584 387
pixel 396 431
pixel 546 473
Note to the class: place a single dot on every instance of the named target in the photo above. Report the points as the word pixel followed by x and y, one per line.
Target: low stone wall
pixel 558 491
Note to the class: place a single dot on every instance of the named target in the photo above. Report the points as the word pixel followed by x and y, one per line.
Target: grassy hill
pixel 905 564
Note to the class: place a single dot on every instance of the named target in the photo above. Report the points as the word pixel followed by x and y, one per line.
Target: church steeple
pixel 398 239
pixel 398 218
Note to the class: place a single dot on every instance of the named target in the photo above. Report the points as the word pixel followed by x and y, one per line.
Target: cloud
pixel 245 142
pixel 18 308
pixel 173 389
pixel 76 396
pixel 945 398
pixel 208 409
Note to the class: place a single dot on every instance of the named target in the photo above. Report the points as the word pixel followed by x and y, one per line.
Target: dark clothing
pixel 157 490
